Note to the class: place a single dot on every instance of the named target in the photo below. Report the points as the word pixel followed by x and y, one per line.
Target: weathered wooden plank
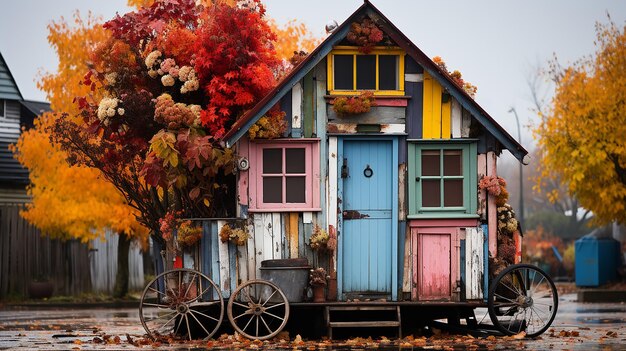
pixel 293 235
pixel 402 208
pixel 376 115
pixel 243 181
pixel 224 262
pixel 302 244
pixel 492 213
pixel 427 117
pixel 259 242
pixel 308 105
pixel 250 248
pixel 456 116
pixel 474 263
pixel 481 166
pixel 466 121
pixel 232 260
pixel 296 110
pixel 268 237
pixel 446 111
pixel 277 236
pixel 215 254
pixel 321 123
pixel 415 109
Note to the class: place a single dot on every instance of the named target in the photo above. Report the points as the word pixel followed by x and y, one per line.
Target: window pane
pixel 431 194
pixel 453 192
pixel 388 72
pixel 344 72
pixel 366 72
pixel 295 160
pixel 452 163
pixel 273 189
pixel 273 161
pixel 430 162
pixel 296 190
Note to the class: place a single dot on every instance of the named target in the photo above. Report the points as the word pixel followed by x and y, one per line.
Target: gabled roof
pixel 8 87
pixel 240 127
pixel 36 107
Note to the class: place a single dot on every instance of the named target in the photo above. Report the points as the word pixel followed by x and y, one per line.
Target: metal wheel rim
pixel 523 298
pixel 178 308
pixel 267 312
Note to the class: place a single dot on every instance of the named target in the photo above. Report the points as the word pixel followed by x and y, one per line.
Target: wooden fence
pixel 25 255
pixel 104 264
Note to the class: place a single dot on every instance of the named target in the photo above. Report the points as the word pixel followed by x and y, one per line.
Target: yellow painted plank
pixel 427 117
pixel 436 126
pixel 446 113
pixel 293 235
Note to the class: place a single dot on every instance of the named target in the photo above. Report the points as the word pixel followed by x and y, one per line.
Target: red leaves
pixel 234 60
pixel 149 22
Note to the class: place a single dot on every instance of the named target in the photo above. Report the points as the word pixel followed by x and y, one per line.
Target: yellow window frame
pixel 378 51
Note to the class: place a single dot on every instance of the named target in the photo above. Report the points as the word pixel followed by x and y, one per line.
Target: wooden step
pixel 364 324
pixel 394 321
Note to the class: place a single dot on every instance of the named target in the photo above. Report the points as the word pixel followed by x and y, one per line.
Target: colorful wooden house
pixel 397 185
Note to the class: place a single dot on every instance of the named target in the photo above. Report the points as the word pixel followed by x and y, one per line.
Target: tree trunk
pixel 121 279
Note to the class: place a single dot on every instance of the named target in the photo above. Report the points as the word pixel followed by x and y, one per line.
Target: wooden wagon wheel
pixel 258 309
pixel 522 298
pixel 181 303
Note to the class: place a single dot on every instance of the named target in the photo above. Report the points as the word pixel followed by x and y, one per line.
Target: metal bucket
pixel 290 275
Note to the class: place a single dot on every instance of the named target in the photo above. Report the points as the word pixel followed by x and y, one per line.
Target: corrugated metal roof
pixel 8 87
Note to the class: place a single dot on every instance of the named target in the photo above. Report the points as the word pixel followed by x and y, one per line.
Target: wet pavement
pixel 578 326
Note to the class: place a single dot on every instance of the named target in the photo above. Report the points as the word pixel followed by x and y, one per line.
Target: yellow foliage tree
pixel 581 137
pixel 68 201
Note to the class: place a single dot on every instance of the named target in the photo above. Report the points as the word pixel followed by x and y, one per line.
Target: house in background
pixel 25 254
pixel 398 185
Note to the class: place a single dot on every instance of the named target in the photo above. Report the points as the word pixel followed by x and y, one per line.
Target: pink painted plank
pixel 434 266
pixel 242 183
pixel 392 102
pixel 482 194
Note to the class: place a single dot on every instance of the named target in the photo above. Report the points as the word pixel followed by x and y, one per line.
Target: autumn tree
pixel 581 137
pixel 73 202
pixel 169 80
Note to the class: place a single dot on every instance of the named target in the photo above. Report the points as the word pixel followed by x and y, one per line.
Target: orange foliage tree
pixel 70 201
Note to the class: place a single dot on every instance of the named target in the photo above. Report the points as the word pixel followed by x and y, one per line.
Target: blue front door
pixel 366 171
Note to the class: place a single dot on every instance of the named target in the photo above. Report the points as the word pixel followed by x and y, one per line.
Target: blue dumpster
pixel 597 260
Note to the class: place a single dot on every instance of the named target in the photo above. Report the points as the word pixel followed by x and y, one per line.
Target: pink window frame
pixel 312 175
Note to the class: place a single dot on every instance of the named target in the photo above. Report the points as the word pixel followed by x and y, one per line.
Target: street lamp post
pixel 521 177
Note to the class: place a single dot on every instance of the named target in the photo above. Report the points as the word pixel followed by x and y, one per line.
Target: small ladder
pixel 389 323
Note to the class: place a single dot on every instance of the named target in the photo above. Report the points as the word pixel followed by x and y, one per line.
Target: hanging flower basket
pixel 354 105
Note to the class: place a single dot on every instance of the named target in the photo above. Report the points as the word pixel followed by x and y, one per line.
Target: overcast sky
pixel 495 43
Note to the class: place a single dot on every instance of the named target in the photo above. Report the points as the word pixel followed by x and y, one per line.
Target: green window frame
pixel 435 179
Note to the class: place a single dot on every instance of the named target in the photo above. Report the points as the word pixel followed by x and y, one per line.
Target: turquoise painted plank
pixel 232 258
pixel 394 221
pixel 367 246
pixel 205 249
pixel 215 254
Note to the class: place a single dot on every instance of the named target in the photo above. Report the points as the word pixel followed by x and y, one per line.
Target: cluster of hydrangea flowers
pixel 108 108
pixel 170 71
pixel 110 78
pixel 507 222
pixel 176 115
